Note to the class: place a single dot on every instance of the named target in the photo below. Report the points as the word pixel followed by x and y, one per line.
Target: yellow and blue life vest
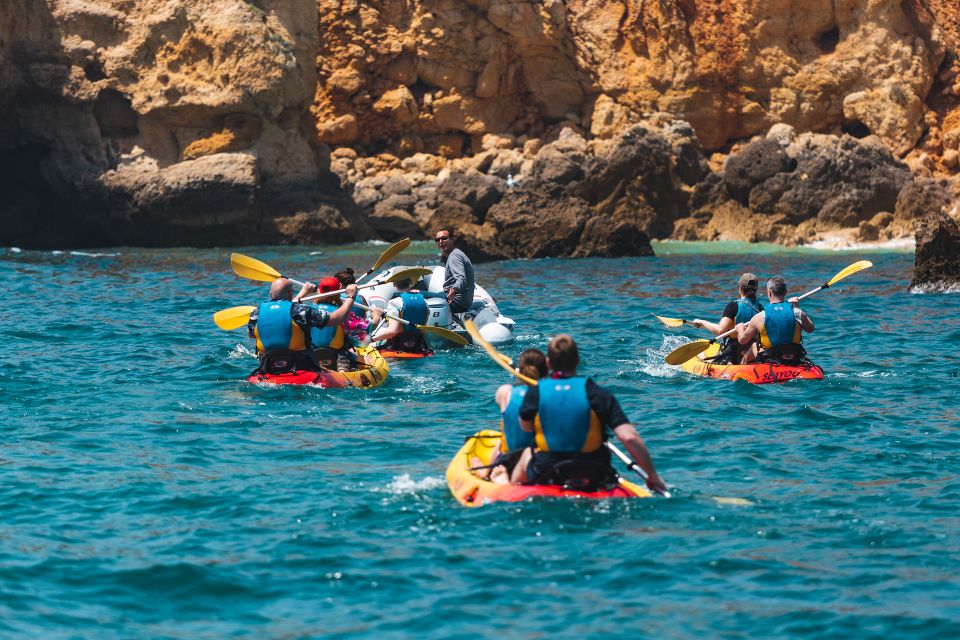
pixel 565 422
pixel 514 437
pixel 780 326
pixel 276 329
pixel 332 337
pixel 414 310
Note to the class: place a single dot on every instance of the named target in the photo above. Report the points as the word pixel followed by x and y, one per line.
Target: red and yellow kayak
pixel 473 491
pixel 371 374
pixel 756 373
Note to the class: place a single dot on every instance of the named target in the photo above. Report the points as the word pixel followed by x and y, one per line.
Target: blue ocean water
pixel 148 491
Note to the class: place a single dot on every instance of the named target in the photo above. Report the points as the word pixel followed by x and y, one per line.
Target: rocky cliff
pixel 227 122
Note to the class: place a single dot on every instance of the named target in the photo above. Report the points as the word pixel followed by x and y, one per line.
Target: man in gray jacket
pixel 458 276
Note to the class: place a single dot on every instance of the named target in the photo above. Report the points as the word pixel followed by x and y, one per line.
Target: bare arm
pixel 747 332
pixel 805 322
pixel 502 397
pixel 340 314
pixel 393 329
pixel 628 435
pixel 716 328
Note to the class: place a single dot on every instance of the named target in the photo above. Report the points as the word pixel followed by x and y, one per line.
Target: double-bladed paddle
pixel 505 362
pixel 247 267
pixel 671 322
pixel 692 349
pixel 254 269
pixel 236 317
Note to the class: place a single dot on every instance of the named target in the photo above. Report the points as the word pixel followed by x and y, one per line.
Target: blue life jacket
pixel 414 310
pixel 328 336
pixel 513 436
pixel 780 326
pixel 746 309
pixel 276 329
pixel 565 422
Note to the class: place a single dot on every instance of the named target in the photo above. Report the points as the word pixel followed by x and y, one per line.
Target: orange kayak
pixel 756 373
pixel 404 355
pixel 472 491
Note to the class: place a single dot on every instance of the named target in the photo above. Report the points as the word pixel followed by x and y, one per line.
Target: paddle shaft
pixel 633 466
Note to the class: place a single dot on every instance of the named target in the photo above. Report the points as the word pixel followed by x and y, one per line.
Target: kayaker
pixel 568 416
pixel 458 280
pixel 411 305
pixel 357 327
pixel 737 311
pixel 282 327
pixel 331 348
pixel 779 327
pixel 533 364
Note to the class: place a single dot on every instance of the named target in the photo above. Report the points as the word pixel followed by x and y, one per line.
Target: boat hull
pixel 473 491
pixel 373 374
pixel 755 373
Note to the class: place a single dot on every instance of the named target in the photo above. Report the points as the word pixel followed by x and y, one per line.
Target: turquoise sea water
pixel 149 492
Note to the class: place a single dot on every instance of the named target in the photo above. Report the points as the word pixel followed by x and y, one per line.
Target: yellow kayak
pixel 471 490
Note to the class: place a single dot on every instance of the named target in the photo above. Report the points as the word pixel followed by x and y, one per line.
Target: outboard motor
pixel 438 313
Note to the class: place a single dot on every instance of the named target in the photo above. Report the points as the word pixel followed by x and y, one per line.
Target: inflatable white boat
pixel 493 326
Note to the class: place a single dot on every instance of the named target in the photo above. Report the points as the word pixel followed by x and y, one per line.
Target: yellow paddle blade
pixel 247 267
pixel 413 273
pixel 233 318
pixel 446 334
pixel 852 269
pixel 670 322
pixel 690 350
pixel 497 357
pixel 391 251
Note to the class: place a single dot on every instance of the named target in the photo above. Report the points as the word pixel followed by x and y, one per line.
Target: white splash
pixel 941 286
pixel 15 250
pixel 241 351
pixel 651 360
pixel 94 255
pixel 406 484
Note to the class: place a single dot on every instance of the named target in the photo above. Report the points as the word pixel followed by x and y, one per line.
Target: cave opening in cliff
pixel 855 128
pixel 828 40
pixel 93 71
pixel 115 115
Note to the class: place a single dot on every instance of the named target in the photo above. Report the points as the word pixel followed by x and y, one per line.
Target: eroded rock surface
pixel 937 262
pixel 228 121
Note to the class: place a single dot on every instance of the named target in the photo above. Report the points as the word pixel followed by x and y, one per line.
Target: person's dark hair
pixel 749 290
pixel 404 284
pixel 345 277
pixel 777 286
pixel 563 353
pixel 533 364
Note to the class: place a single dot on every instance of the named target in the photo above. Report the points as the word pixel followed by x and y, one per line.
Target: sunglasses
pixel 441 239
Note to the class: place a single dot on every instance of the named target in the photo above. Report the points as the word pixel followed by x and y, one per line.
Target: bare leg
pixel 750 355
pixel 519 475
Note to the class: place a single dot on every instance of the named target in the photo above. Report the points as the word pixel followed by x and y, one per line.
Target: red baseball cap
pixel 329 284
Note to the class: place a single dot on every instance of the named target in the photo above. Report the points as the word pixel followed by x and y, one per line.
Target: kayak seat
pixel 278 361
pixel 580 475
pixel 330 359
pixel 788 354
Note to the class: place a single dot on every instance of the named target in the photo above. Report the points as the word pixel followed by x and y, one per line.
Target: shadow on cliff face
pixel 91 157
pixel 34 204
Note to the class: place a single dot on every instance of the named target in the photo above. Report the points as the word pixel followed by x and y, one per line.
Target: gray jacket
pixel 459 275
